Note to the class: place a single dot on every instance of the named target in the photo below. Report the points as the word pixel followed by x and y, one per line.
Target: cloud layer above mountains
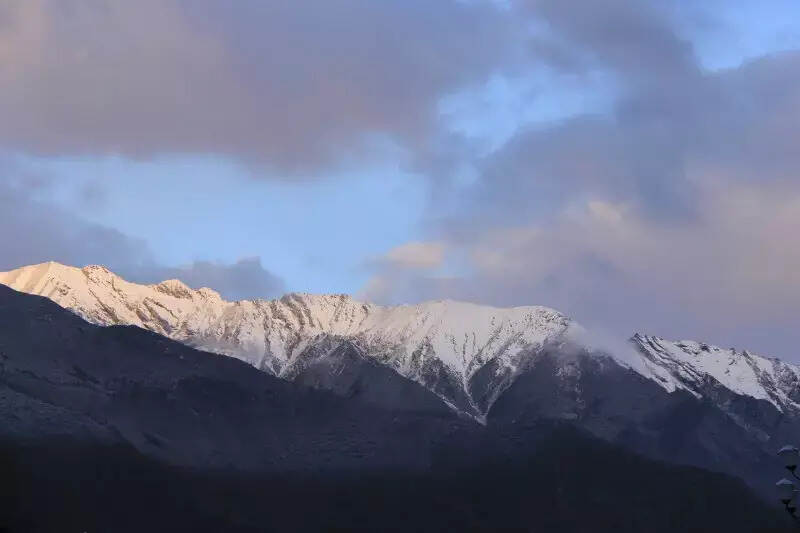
pixel 293 85
pixel 632 163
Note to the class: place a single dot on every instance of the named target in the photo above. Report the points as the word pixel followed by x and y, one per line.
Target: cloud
pixel 636 39
pixel 400 275
pixel 730 276
pixel 416 255
pixel 244 280
pixel 669 117
pixel 673 213
pixel 672 209
pixel 735 260
pixel 34 232
pixel 294 85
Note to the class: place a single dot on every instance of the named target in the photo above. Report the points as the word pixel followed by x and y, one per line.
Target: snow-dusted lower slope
pixel 466 354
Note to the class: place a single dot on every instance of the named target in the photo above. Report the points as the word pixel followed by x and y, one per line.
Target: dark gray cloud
pixel 34 232
pixel 288 84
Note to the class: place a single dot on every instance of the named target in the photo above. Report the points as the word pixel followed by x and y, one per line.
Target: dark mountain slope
pixel 565 482
pixel 338 366
pixel 621 406
pixel 61 376
pixel 118 429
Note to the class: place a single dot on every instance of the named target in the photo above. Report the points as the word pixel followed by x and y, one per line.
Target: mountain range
pixel 466 354
pixel 681 401
pixel 121 429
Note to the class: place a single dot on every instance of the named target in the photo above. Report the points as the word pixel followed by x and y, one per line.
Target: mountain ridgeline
pixel 465 354
pixel 428 375
pixel 120 429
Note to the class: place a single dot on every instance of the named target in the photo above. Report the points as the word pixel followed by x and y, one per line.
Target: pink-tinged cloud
pixel 290 85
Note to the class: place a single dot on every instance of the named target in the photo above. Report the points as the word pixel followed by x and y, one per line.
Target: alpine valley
pixel 326 383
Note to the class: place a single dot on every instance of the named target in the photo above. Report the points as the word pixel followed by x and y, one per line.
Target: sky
pixel 631 163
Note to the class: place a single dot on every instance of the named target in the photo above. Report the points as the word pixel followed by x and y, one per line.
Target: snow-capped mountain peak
pixel 467 354
pixel 440 344
pixel 693 365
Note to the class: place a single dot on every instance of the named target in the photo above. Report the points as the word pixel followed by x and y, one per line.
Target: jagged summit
pixel 440 344
pixel 690 363
pixel 174 287
pixel 466 353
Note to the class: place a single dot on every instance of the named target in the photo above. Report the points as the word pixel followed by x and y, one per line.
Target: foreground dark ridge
pixel 567 482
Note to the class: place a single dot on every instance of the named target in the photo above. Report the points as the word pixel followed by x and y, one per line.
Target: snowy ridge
pixel 690 364
pixel 467 354
pixel 439 344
